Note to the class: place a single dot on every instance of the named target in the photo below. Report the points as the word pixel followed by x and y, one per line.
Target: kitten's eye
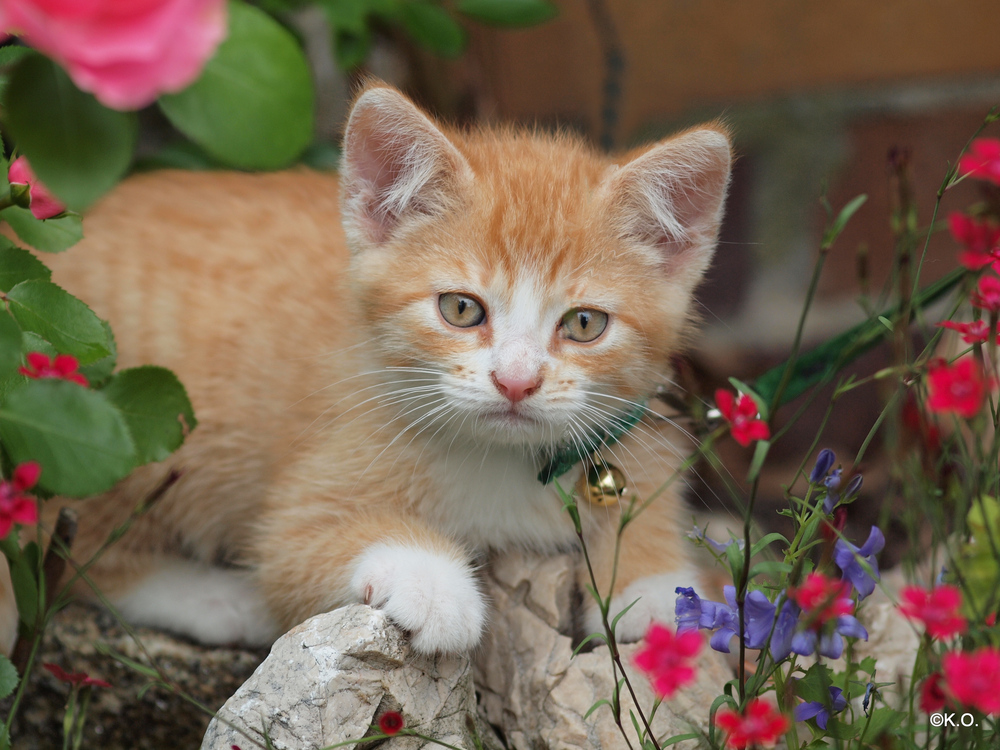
pixel 461 310
pixel 584 325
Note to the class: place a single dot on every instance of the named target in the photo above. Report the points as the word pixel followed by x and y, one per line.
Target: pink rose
pixel 43 204
pixel 125 53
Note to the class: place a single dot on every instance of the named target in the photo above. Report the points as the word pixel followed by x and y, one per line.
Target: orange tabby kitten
pixel 379 385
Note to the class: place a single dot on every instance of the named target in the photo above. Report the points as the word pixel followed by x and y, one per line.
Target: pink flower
pixel 976 332
pixel 76 679
pixel 982 160
pixel 981 240
pixel 742 415
pixel 760 724
pixel 932 695
pixel 125 53
pixel 63 368
pixel 823 599
pixel 937 609
pixel 987 294
pixel 390 722
pixel 43 204
pixel 15 505
pixel 974 678
pixel 666 658
pixel 958 388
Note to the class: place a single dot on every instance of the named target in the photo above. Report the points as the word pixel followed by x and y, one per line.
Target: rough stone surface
pixel 537 693
pixel 330 679
pixel 127 716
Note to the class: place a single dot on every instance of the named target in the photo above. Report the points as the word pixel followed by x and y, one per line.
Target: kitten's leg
pixel 312 560
pixel 653 561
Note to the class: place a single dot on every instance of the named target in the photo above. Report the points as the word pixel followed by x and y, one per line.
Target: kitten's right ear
pixel 396 165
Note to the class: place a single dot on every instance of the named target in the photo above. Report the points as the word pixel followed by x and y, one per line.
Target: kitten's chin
pixel 514 428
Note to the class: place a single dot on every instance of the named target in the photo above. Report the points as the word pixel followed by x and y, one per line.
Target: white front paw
pixel 656 597
pixel 433 595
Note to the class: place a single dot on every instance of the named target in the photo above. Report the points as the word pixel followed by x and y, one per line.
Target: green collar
pixel 569 455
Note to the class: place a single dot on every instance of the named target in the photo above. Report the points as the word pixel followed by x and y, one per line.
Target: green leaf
pixel 759 456
pixel 17 265
pixel 882 720
pixel 77 436
pixel 431 26
pixel 8 677
pixel 834 230
pixel 508 13
pixel 680 738
pixel 766 541
pixel 351 48
pixel 349 15
pixel 22 578
pixel 734 556
pixel 592 637
pixel 49 236
pixel 11 349
pixel 181 154
pixel 13 54
pixel 78 147
pixel 252 107
pixel 814 685
pixel 156 409
pixel 59 318
pixel 832 355
pixel 597 705
pixel 620 615
pixel 100 370
pixel 769 567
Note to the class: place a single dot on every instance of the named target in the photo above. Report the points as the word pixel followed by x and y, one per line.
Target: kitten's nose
pixel 516 389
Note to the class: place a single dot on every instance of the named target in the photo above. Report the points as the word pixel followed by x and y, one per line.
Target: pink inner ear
pixel 672 195
pixel 396 163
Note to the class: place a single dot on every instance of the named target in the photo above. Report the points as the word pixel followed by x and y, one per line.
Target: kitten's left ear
pixel 671 198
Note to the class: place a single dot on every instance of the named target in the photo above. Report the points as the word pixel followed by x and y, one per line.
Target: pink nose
pixel 515 389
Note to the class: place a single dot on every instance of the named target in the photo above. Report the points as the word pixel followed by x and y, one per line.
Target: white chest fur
pixel 491 497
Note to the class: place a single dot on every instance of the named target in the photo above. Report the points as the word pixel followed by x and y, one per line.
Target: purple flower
pixel 851 560
pixel 720 547
pixel 782 635
pixel 819 711
pixel 829 642
pixel 824 462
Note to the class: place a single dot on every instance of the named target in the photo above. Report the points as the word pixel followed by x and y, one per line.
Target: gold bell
pixel 602 484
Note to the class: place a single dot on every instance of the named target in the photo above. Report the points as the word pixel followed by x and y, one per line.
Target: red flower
pixel 976 332
pixel 982 160
pixel 932 695
pixel 822 598
pixel 991 619
pixel 981 240
pixel 759 724
pixel 43 204
pixel 987 294
pixel 742 415
pixel 76 679
pixel 63 367
pixel 390 722
pixel 15 505
pixel 666 657
pixel 974 678
pixel 937 609
pixel 958 388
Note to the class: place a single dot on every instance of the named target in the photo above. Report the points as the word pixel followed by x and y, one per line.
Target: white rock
pixel 329 679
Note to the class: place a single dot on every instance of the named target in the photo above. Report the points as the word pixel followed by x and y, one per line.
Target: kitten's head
pixel 527 288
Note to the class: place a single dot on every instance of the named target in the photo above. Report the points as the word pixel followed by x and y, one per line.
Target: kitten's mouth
pixel 513 417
